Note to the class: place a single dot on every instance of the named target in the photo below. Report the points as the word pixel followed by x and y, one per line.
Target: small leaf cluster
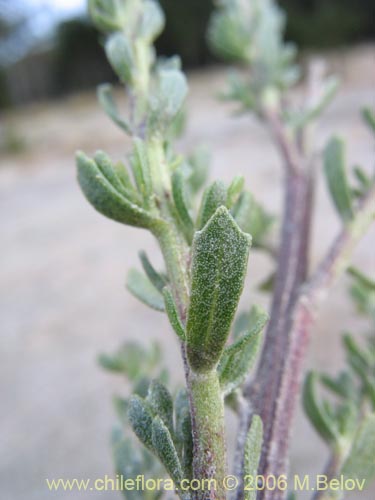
pixel 252 33
pixel 346 421
pixel 138 365
pixel 132 360
pixel 164 427
pixel 239 210
pixel 131 462
pixel 157 89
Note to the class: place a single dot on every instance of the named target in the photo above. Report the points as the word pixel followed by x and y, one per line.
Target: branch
pixel 299 324
pixel 288 149
pixel 338 257
pixel 292 264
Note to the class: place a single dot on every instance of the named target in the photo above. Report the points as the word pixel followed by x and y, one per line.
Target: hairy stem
pixel 205 396
pixel 297 326
pixel 209 463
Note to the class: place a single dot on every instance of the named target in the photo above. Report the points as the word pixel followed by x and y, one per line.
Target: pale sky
pixel 42 16
pixel 65 7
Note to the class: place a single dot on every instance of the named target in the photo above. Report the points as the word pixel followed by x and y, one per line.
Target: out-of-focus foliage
pixel 346 418
pixel 11 142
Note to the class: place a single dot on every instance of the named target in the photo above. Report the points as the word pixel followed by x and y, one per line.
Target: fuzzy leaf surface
pixel 173 315
pixel 108 103
pixel 161 403
pixel 163 445
pixel 238 358
pixel 219 261
pixel 214 197
pixel 168 98
pixel 106 197
pixel 180 200
pixel 360 463
pixel 140 417
pixel 119 53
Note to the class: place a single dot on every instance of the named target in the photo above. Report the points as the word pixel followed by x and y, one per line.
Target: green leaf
pixel 363 179
pixel 142 288
pixel 168 98
pixel 184 431
pixel 199 161
pixel 369 118
pixel 141 386
pixel 126 458
pixel 229 35
pixel 161 403
pixel 121 407
pixel 153 20
pixel 317 413
pixel 214 197
pixel 361 278
pixel 173 315
pixel 252 218
pixel 140 417
pixel 219 259
pixel 107 102
pixel 239 357
pixel 164 448
pixel 179 198
pixel 156 278
pixel 239 91
pixel 360 463
pixel 347 418
pixel 127 185
pixel 132 360
pixel 106 167
pixel 106 198
pixel 253 449
pixel 241 324
pixel 327 94
pixel 106 14
pixel 234 190
pixel 120 55
pixel 342 386
pixel 358 358
pixel 141 170
pixel 334 168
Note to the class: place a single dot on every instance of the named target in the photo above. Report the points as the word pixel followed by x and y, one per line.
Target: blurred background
pixel 63 266
pixel 48 48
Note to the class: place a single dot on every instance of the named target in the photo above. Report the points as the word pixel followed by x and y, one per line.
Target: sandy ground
pixel 63 268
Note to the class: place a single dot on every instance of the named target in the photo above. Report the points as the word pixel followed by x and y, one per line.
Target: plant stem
pixel 292 262
pixel 209 461
pixel 204 392
pixel 274 391
pixel 330 471
pixel 205 397
pixel 296 328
